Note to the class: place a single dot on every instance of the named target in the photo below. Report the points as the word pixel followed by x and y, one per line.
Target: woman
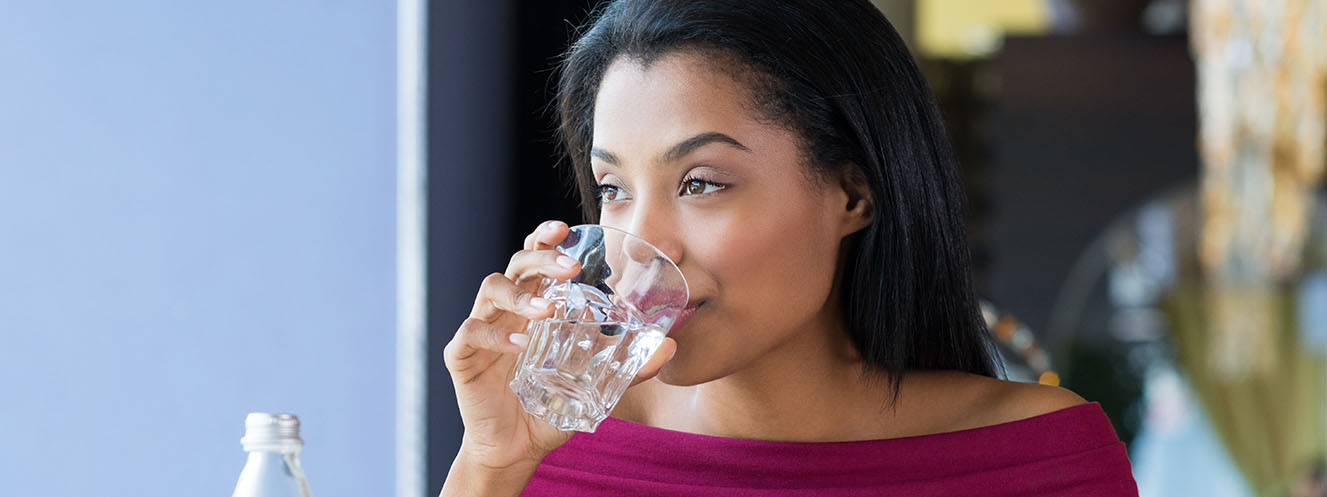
pixel 788 156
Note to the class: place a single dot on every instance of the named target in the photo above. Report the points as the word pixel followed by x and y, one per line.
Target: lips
pixel 687 313
pixel 652 300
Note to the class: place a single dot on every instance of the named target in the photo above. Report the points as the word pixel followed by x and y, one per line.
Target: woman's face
pixel 684 162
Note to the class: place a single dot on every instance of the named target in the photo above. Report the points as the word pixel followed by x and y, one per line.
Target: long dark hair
pixel 836 73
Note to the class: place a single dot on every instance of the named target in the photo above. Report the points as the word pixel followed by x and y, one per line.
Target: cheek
pixel 779 233
pixel 772 266
pixel 776 268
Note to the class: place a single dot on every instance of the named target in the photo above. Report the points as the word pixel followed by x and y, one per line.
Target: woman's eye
pixel 609 193
pixel 700 187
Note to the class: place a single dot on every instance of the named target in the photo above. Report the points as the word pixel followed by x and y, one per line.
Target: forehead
pixel 670 99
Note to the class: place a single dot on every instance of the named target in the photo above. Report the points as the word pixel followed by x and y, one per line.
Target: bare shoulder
pixel 1014 400
pixel 990 401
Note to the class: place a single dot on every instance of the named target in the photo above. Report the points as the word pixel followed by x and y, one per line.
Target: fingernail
pixel 519 339
pixel 566 261
pixel 539 303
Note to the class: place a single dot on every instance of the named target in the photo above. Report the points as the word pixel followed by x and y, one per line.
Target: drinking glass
pixel 609 319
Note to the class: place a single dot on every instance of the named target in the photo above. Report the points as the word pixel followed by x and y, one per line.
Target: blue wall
pixel 196 221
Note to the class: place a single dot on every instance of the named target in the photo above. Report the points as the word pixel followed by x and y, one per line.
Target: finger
pixel 498 295
pixel 477 335
pixel 546 228
pixel 531 264
pixel 548 235
pixel 660 357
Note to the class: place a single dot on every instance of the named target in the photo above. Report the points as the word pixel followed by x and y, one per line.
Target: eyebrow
pixel 678 151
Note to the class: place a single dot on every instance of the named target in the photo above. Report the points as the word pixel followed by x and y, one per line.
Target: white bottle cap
pixel 271 433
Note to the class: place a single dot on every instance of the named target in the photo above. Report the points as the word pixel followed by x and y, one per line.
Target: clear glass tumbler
pixel 609 319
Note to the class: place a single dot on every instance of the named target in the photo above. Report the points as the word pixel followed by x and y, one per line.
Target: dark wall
pixel 1084 128
pixel 469 163
pixel 491 167
pixel 541 187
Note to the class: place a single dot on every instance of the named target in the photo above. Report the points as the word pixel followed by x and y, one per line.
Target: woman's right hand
pixel 499 434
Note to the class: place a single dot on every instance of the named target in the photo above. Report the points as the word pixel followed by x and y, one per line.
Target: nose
pixel 660 231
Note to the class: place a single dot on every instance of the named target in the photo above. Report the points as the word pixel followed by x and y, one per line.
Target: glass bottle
pixel 273 468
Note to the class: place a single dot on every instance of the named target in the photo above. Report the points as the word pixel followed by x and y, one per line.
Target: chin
pixel 670 375
pixel 682 373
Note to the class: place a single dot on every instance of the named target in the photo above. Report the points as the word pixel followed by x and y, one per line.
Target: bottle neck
pixel 274 453
pixel 273 468
pixel 270 459
pixel 280 446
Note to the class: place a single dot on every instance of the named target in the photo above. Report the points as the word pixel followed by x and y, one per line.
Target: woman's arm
pixel 468 478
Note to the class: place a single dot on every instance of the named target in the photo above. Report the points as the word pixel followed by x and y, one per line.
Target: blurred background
pixel 207 210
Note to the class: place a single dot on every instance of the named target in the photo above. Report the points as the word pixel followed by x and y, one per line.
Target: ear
pixel 856 208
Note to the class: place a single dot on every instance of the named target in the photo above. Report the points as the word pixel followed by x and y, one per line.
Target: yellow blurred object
pixel 1004 329
pixel 1049 378
pixel 961 29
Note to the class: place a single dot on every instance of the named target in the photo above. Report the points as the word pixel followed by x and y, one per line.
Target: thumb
pixel 656 362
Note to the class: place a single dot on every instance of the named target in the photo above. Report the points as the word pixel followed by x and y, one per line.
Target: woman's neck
pixel 809 388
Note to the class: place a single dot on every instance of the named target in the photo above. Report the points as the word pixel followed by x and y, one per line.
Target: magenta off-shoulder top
pixel 1070 452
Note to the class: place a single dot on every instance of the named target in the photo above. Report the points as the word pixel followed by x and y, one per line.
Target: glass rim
pixel 686 286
